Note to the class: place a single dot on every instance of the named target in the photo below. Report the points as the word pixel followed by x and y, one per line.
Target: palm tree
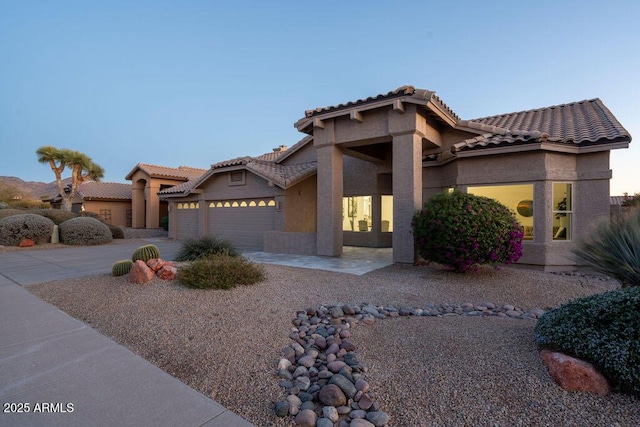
pixel 81 165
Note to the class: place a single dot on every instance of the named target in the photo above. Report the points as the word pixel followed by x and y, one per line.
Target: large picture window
pixel 356 213
pixel 562 210
pixel 518 198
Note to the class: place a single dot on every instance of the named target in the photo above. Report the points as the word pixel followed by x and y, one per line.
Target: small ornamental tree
pixel 464 231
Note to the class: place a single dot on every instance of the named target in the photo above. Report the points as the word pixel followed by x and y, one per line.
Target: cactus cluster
pixel 145 253
pixel 122 267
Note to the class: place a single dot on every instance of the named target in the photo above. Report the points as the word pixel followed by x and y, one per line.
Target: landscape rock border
pixel 321 373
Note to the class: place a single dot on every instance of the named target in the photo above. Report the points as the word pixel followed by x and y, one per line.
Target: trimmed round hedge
pixel 15 228
pixel 463 231
pixel 84 231
pixel 602 329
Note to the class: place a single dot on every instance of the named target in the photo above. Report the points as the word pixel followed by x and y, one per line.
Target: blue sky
pixel 196 82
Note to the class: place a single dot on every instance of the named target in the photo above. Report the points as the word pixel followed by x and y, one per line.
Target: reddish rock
pixel 140 273
pixel 574 374
pixel 26 243
pixel 156 263
pixel 167 272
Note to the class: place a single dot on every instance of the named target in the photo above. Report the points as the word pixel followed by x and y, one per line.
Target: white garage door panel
pixel 187 226
pixel 244 227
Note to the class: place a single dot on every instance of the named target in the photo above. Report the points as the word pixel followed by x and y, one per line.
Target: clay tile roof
pixel 399 92
pixel 104 190
pixel 585 122
pixel 403 93
pixel 180 188
pixel 283 175
pixel 183 173
pixel 238 161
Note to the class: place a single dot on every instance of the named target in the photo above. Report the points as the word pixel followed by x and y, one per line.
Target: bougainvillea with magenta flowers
pixel 464 231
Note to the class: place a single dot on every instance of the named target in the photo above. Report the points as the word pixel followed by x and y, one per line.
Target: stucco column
pixel 153 206
pixel 137 205
pixel 407 192
pixel 330 190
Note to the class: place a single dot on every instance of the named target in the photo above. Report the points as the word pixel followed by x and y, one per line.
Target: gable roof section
pixel 181 173
pixel 395 98
pixel 268 166
pixel 582 123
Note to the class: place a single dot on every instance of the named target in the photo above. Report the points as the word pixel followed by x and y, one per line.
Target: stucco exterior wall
pixel 219 187
pixel 145 202
pixel 118 210
pixel 300 207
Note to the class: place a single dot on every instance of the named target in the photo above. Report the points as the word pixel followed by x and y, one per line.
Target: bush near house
pixel 84 231
pixel 56 215
pixel 10 212
pixel 463 231
pixel 614 248
pixel 601 329
pixel 220 271
pixel 164 223
pixel 116 232
pixel 16 228
pixel 204 246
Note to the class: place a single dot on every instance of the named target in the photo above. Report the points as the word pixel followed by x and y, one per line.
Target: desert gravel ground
pixel 424 371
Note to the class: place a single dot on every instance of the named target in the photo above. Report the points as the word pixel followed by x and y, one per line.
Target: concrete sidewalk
pixel 60 372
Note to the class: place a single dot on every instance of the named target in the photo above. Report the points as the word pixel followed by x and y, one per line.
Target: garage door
pixel 187 220
pixel 243 222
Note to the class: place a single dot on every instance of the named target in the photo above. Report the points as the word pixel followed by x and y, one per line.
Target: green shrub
pixel 463 231
pixel 202 247
pixel 10 212
pixel 145 253
pixel 84 231
pixel 93 215
pixel 220 272
pixel 122 267
pixel 16 228
pixel 116 232
pixel 602 329
pixel 3 205
pixel 614 248
pixel 164 223
pixel 56 215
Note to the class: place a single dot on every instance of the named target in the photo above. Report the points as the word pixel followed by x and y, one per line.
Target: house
pixel 111 200
pixel 147 181
pixel 366 166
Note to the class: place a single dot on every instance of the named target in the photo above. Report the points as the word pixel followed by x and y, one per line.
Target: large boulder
pixel 140 273
pixel 574 374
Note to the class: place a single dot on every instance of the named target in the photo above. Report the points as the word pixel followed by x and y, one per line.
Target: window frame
pixel 555 213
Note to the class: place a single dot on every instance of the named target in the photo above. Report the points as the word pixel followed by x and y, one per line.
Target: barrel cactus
pixel 145 253
pixel 122 267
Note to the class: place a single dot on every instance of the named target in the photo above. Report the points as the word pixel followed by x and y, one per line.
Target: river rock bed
pixel 324 380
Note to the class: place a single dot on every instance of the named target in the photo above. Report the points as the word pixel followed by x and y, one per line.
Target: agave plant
pixel 614 249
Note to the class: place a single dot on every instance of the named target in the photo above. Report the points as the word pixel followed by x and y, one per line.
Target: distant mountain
pixel 31 189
